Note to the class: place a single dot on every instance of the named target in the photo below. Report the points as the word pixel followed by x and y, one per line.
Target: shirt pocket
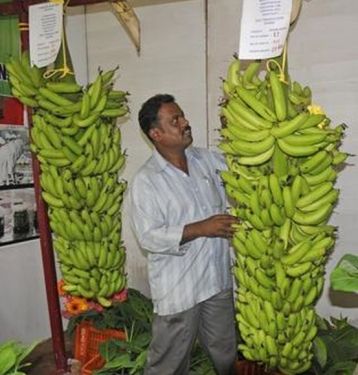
pixel 211 194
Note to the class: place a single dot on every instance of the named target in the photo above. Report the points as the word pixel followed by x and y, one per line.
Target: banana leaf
pixel 12 355
pixel 345 275
pixel 320 351
pixel 335 347
pixel 342 368
pixel 7 359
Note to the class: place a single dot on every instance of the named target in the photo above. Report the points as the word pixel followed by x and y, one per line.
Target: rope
pixel 281 69
pixel 23 26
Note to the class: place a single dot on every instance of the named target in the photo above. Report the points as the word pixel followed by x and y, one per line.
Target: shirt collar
pixel 161 163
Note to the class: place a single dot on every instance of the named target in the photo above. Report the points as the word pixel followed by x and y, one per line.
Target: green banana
pixel 245 148
pixel 255 104
pixel 249 115
pixel 64 87
pixel 296 151
pixel 278 95
pixel 233 73
pixel 257 159
pixel 316 193
pixel 313 162
pixel 288 127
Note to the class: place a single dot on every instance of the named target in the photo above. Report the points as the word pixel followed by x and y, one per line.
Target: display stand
pixel 20 8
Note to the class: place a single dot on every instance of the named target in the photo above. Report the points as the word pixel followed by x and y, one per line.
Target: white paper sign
pixel 45 23
pixel 264 28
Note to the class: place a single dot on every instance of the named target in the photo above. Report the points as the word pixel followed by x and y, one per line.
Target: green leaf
pixel 345 275
pixel 122 361
pixel 7 359
pixel 322 323
pixel 26 351
pixel 342 368
pixel 342 344
pixel 140 362
pixel 7 344
pixel 320 351
pixel 339 323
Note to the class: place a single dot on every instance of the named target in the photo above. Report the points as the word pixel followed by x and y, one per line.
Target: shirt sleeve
pixel 149 223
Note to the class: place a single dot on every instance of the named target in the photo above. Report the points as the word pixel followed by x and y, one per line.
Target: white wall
pixel 23 308
pixel 172 60
pixel 322 53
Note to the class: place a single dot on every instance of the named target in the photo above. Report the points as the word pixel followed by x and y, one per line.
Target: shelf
pixel 16 187
pixel 8 241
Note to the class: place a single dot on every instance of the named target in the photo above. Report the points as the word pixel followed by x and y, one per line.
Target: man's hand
pixel 215 226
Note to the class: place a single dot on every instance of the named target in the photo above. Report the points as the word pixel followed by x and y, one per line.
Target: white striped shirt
pixel 163 200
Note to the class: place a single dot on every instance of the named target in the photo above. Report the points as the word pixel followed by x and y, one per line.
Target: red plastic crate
pixel 95 363
pixel 86 346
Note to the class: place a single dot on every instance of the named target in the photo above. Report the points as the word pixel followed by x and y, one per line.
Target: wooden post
pixel 48 259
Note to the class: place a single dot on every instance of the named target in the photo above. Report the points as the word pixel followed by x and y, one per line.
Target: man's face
pixel 173 130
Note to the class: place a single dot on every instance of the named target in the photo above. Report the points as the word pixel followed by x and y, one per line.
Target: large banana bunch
pixel 76 140
pixel 283 157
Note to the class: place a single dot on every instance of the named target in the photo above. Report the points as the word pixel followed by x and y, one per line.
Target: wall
pixel 322 53
pixel 172 60
pixel 23 311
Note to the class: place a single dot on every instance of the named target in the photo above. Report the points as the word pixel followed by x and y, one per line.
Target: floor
pixel 43 362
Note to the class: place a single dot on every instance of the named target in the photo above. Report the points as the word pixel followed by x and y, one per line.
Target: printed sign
pixel 45 22
pixel 264 28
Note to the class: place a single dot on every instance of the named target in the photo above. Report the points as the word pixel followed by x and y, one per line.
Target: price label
pixel 45 24
pixel 264 28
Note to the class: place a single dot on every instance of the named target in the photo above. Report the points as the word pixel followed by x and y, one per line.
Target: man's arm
pixel 215 226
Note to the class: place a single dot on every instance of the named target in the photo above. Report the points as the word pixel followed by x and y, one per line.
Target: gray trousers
pixel 211 321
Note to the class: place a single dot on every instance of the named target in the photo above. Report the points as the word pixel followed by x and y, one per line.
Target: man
pixel 177 212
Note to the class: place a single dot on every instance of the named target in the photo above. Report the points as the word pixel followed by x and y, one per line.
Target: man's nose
pixel 185 122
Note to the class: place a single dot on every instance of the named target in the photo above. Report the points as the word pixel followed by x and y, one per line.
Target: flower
pixel 60 290
pixel 121 296
pixel 76 305
pixel 315 109
pixel 95 306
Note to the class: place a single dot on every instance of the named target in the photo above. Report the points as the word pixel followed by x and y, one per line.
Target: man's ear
pixel 155 134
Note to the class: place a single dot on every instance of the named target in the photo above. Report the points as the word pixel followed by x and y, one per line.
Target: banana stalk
pixel 77 143
pixel 282 168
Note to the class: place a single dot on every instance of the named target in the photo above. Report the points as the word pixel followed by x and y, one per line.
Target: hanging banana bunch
pixel 283 156
pixel 76 140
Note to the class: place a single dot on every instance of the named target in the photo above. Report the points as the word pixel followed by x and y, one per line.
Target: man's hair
pixel 148 114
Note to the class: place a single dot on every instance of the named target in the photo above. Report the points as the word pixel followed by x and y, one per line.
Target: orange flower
pixel 60 290
pixel 76 305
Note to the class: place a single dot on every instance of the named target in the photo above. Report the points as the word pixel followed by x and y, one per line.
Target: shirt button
pixel 204 208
